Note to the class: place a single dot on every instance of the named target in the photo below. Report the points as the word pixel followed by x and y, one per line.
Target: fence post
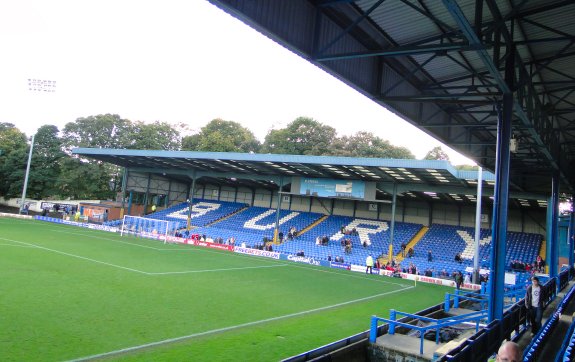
pixel 446 304
pixel 373 329
pixel 392 324
pixel 456 299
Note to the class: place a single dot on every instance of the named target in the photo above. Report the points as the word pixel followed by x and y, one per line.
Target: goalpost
pixel 146 227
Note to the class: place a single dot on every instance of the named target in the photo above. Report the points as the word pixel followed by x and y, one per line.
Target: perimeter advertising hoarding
pixel 320 187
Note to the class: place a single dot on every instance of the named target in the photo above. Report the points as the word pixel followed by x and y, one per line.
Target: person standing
pixel 368 264
pixel 429 256
pixel 534 303
pixel 458 280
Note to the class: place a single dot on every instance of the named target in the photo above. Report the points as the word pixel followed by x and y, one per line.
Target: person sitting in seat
pixel 410 253
pixel 458 258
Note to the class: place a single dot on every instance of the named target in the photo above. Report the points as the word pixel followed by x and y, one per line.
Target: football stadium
pixel 245 256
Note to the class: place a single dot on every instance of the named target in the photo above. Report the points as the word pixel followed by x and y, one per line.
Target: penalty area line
pixel 230 328
pixel 75 256
pixel 218 270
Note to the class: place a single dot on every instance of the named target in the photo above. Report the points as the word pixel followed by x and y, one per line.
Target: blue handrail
pixel 436 325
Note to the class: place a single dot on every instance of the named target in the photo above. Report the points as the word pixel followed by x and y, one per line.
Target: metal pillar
pixel 477 225
pixel 553 261
pixel 167 200
pixel 130 202
pixel 279 203
pixel 548 232
pixel 147 195
pixel 191 202
pixel 393 204
pixel 571 240
pixel 124 186
pixel 23 200
pixel 500 205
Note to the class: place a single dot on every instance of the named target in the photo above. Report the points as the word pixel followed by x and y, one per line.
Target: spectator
pixel 44 211
pixel 105 216
pixel 403 246
pixel 467 279
pixel 411 253
pixel 458 280
pixel 509 352
pixel 281 236
pixel 26 208
pixel 429 256
pixel 329 257
pixel 534 300
pixel 458 258
pixel 317 241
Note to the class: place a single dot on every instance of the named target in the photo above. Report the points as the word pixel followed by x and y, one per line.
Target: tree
pixel 45 166
pixel 303 136
pixel 79 179
pixel 153 136
pixel 222 136
pixel 100 131
pixel 366 144
pixel 13 145
pixel 437 153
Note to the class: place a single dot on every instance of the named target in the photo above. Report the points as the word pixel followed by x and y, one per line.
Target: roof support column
pixel 477 226
pixel 124 186
pixel 553 204
pixel 190 200
pixel 278 209
pixel 130 202
pixel 167 199
pixel 147 195
pixel 393 205
pixel 501 199
pixel 571 242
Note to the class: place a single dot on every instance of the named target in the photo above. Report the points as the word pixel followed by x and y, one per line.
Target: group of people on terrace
pixel 537 266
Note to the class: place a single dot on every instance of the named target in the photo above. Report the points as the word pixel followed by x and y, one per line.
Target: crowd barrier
pixel 435 324
pixel 534 349
pixel 485 343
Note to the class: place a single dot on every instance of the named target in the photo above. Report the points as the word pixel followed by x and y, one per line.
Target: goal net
pixel 146 228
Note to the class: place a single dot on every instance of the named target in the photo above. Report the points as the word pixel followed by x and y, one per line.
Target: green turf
pixel 68 293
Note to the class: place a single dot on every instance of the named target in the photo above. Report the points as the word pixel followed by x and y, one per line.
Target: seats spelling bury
pixel 255 223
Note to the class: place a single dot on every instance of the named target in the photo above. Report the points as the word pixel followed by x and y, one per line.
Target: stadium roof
pixel 440 65
pixel 428 180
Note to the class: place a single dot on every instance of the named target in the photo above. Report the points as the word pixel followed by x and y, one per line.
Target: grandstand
pixel 226 209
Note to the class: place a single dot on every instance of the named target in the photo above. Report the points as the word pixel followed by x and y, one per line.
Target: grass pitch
pixel 68 293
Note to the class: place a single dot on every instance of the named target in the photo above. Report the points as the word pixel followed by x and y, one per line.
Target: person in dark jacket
pixel 534 299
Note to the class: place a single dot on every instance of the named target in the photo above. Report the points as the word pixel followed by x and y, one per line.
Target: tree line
pixel 56 173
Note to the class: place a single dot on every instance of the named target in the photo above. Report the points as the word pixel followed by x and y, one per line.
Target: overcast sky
pixel 174 61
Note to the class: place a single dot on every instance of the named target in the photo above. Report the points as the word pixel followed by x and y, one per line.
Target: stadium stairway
pixel 227 216
pixel 420 234
pixel 554 341
pixel 312 225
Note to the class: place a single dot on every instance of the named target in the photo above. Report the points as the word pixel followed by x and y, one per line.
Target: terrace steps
pixel 312 225
pixel 227 216
pixel 420 234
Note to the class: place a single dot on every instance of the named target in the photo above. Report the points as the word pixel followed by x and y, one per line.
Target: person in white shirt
pixel 534 299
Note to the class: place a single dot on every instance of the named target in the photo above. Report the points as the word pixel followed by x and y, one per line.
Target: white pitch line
pixel 230 328
pixel 217 270
pixel 77 256
pixel 350 274
pixel 19 246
